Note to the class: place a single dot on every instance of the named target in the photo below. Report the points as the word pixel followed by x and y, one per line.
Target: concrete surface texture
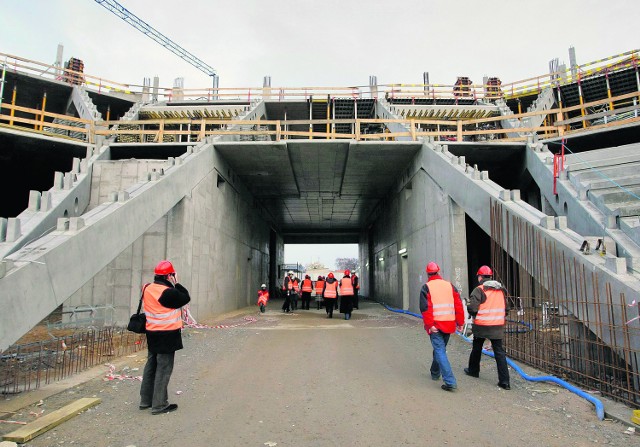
pixel 303 380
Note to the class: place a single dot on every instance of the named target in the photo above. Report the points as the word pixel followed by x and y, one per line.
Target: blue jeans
pixel 440 364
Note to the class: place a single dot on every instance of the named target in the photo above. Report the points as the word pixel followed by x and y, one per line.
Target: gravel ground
pixel 304 380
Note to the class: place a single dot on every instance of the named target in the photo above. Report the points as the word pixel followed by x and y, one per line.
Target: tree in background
pixel 347 264
pixel 315 265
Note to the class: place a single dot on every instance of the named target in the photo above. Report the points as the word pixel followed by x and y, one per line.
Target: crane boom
pixel 142 26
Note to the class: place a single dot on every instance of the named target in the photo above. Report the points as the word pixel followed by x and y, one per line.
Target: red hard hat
pixel 330 275
pixel 485 270
pixel 347 272
pixel 164 268
pixel 432 267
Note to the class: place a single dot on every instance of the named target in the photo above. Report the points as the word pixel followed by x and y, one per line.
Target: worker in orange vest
pixel 488 306
pixel 306 288
pixel 330 294
pixel 442 314
pixel 319 286
pixel 161 301
pixel 287 289
pixel 263 297
pixel 295 292
pixel 356 289
pixel 346 295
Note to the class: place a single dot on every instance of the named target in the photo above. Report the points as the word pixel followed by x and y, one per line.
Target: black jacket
pixel 478 297
pixel 166 342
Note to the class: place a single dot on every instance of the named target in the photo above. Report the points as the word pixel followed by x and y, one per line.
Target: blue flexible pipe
pixel 596 402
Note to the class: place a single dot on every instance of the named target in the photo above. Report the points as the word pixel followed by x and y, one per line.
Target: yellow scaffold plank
pixel 53 419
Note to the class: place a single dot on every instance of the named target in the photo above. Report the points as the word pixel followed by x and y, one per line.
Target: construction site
pixel 536 178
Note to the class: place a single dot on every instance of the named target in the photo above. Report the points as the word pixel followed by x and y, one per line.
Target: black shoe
pixel 170 408
pixel 469 373
pixel 448 387
pixel 504 386
pixel 144 407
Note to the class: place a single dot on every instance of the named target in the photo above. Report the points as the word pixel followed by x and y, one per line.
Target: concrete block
pixel 90 151
pixel 616 265
pixel 113 197
pixel 484 175
pixel 84 165
pixel 548 161
pixel 58 180
pixel 3 229
pixel 155 176
pixel 75 166
pixel 34 201
pixel 46 201
pixel 68 180
pixel 583 194
pixel 445 148
pixel 63 224
pixel 515 194
pixel 505 195
pixel 611 222
pixel 462 160
pixel 171 161
pixel 123 196
pixel 563 175
pixel 475 175
pixel 561 222
pixel 548 222
pixel 76 223
pixel 179 160
pixel 13 229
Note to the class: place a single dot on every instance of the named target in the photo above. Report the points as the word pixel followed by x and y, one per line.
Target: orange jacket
pixel 492 312
pixel 346 287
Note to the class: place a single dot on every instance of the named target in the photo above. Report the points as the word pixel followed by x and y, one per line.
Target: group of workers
pixel 440 305
pixel 329 293
pixel 443 314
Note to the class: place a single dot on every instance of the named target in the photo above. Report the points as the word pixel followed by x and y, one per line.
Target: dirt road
pixel 304 380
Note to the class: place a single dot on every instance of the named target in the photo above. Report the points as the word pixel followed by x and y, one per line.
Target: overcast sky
pixel 327 253
pixel 322 43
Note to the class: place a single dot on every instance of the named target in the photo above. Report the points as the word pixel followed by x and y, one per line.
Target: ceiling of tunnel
pixel 319 186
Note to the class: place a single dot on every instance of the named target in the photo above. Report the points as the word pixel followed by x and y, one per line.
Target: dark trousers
pixel 155 381
pixel 294 301
pixel 286 306
pixel 355 298
pixel 306 300
pixel 499 354
pixel 329 305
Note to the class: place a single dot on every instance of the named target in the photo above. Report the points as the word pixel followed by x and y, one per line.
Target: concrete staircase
pixel 544 101
pixel 609 179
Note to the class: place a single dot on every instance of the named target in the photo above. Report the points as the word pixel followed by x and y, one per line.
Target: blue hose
pixel 562 383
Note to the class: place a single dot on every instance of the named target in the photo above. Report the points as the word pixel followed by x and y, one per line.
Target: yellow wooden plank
pixel 53 419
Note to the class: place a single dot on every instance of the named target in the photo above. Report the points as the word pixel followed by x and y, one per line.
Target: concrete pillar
pixel 75 167
pixel 616 265
pixel 58 180
pixel 76 223
pixel 548 222
pixel 63 224
pixel 458 250
pixel 68 180
pixel 3 229
pixel 13 229
pixel 45 201
pixel 34 201
pixel 123 196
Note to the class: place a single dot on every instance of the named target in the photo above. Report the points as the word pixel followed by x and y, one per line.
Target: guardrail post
pixel 412 127
pixel 357 130
pixel 278 130
pixel 459 130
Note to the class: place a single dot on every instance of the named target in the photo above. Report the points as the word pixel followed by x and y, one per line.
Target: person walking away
pixel 319 286
pixel 488 306
pixel 263 297
pixel 161 301
pixel 295 292
pixel 442 314
pixel 330 294
pixel 346 295
pixel 287 287
pixel 306 288
pixel 356 290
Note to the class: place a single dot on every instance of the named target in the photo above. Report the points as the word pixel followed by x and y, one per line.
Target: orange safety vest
pixel 492 312
pixel 331 290
pixel 159 318
pixel 295 285
pixel 346 288
pixel 319 287
pixel 441 293
pixel 307 286
pixel 263 297
pixel 284 281
pixel 353 278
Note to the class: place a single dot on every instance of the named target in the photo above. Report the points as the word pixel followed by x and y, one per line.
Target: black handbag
pixel 138 321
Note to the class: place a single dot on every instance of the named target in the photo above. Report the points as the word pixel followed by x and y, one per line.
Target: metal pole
pixel 4 73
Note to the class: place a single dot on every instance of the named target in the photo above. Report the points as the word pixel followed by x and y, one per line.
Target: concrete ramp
pixel 42 275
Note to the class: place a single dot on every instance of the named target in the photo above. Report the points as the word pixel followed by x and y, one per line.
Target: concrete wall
pixel 216 238
pixel 419 216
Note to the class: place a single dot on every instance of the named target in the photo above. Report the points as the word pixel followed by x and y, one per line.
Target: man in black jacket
pixel 162 301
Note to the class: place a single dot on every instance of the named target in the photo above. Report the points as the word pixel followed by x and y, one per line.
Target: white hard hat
pixel 263 286
pixel 290 272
